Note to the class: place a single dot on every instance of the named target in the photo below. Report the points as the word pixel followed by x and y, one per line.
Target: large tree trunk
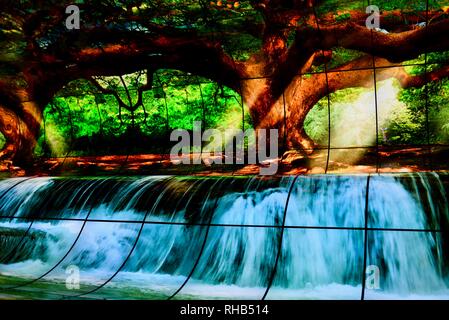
pixel 288 112
pixel 20 129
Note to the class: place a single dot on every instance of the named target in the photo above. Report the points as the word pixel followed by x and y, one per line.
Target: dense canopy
pixel 135 70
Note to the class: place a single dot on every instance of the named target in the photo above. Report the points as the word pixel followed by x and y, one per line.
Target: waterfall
pixel 210 237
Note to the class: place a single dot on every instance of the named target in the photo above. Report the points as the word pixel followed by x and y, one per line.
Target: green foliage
pixel 338 6
pixel 2 140
pixel 340 56
pixel 404 127
pixel 437 104
pixel 343 118
pixel 384 5
pixel 316 122
pixel 419 66
pixel 403 120
pixel 407 5
pixel 92 122
pixel 343 17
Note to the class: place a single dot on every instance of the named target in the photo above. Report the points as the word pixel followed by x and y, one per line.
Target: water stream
pixel 152 237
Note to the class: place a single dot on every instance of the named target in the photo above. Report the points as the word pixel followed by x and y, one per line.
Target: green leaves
pixel 84 121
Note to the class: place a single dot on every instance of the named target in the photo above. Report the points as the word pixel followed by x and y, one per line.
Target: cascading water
pixel 151 238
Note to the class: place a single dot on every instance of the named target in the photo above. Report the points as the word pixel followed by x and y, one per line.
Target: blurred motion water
pixel 152 237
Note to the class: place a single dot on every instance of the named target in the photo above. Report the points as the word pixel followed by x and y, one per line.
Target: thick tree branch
pixel 396 47
pixel 132 51
pixel 396 20
pixel 359 73
pixel 408 81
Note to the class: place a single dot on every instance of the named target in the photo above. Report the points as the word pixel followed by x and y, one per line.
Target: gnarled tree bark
pixel 20 124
